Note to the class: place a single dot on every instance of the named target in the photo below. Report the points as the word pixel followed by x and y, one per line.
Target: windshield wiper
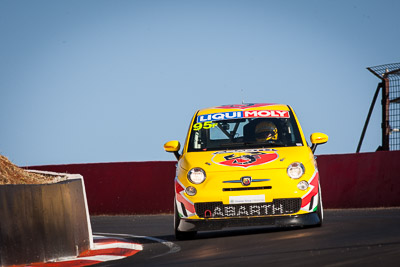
pixel 266 144
pixel 231 144
pixel 242 145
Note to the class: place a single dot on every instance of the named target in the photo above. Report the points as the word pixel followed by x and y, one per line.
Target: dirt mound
pixel 12 174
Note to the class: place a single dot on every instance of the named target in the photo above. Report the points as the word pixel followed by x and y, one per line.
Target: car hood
pixel 246 159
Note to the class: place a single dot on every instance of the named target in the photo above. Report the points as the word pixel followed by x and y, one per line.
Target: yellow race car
pixel 245 165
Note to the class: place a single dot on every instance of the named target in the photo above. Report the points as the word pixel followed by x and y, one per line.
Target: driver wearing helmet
pixel 266 131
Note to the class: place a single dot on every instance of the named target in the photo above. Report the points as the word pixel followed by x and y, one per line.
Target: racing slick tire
pixel 181 235
pixel 320 209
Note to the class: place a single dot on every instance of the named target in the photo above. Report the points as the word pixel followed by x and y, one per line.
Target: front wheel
pixel 180 235
pixel 320 209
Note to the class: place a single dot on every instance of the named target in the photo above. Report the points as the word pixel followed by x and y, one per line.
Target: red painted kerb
pixel 347 181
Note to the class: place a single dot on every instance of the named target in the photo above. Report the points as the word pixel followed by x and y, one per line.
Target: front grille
pixel 247 188
pixel 219 210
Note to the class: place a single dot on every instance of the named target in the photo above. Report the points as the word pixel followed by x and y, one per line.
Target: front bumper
pixel 187 225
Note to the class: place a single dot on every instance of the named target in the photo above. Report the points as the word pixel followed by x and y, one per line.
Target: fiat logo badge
pixel 246 180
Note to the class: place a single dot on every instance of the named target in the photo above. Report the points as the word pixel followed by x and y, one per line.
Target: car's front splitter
pixel 309 219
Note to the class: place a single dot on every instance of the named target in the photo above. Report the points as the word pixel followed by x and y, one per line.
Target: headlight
pixel 196 175
pixel 295 170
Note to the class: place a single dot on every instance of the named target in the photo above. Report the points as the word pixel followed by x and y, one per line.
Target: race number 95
pixel 206 125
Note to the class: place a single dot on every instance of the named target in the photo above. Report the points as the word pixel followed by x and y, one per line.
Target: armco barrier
pixel 45 222
pixel 347 181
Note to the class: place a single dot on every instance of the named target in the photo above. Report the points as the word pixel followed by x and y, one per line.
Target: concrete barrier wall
pixel 347 180
pixel 42 222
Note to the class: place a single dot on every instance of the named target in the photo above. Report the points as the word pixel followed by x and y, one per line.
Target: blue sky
pixel 110 81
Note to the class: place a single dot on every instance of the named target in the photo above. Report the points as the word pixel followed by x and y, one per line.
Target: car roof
pixel 241 107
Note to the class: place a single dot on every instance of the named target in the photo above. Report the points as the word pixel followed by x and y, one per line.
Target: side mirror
pixel 173 146
pixel 318 139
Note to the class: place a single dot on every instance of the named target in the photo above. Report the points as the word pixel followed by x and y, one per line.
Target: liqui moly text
pixel 243 114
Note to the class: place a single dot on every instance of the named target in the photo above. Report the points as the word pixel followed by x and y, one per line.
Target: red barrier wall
pixel 125 187
pixel 360 180
pixel 347 181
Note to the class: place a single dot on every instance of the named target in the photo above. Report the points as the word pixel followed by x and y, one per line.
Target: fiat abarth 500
pixel 245 165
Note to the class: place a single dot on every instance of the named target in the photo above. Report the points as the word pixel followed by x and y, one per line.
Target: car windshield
pixel 242 133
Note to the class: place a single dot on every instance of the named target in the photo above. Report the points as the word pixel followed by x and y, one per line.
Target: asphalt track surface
pixel 356 237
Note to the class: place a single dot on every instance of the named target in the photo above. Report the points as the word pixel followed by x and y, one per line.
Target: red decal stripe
pixel 179 196
pixel 178 187
pixel 189 206
pixel 313 183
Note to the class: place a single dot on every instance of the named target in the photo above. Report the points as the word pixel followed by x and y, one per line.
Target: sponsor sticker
pixel 229 115
pixel 252 209
pixel 206 125
pixel 246 199
pixel 245 158
pixel 245 106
